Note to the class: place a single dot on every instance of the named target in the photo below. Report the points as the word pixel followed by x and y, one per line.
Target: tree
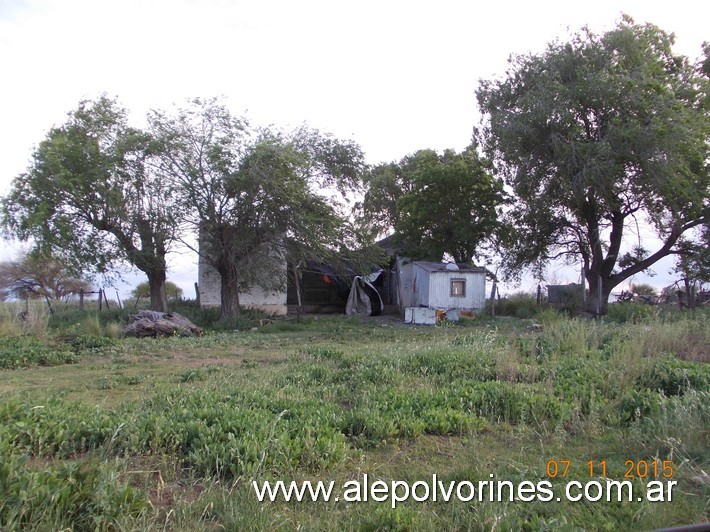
pixel 436 204
pixel 385 185
pixel 91 179
pixel 253 196
pixel 594 136
pixel 172 291
pixel 34 275
pixel 643 289
pixel 693 263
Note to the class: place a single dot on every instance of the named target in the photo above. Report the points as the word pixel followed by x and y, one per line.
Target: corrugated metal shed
pixel 441 285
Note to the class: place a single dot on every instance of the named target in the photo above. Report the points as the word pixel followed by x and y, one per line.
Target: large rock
pixel 149 323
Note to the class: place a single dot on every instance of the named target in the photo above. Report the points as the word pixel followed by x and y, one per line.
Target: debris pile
pixel 149 323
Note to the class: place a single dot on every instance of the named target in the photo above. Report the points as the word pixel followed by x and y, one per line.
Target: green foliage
pixel 334 398
pixel 205 317
pixel 87 495
pixel 23 351
pixel 643 289
pixel 674 377
pixel 92 344
pixel 637 404
pixel 390 520
pixel 523 306
pixel 392 414
pixel 694 263
pixel 436 204
pixel 91 196
pixel 172 291
pixel 230 434
pixel 251 196
pixel 595 131
pixel 629 312
pixel 39 275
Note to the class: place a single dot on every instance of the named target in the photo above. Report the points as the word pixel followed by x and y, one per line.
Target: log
pixel 149 323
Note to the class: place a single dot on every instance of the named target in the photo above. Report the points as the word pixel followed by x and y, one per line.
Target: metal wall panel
pixel 439 290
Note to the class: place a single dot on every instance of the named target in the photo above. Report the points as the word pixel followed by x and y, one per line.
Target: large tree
pixel 253 197
pixel 598 136
pixel 90 192
pixel 35 275
pixel 436 204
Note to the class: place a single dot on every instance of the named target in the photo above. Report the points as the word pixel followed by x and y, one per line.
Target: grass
pixel 168 433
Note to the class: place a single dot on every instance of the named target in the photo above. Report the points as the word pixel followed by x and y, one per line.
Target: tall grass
pixel 23 318
pixel 331 398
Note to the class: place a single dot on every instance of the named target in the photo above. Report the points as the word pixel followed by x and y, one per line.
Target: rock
pixel 149 323
pixel 535 327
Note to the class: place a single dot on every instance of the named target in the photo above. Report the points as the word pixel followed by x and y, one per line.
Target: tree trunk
pixel 297 284
pixel 156 284
pixel 689 295
pixel 599 290
pixel 229 291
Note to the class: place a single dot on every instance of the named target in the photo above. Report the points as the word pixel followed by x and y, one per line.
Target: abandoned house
pixel 403 285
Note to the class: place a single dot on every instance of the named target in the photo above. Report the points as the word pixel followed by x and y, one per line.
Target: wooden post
pixel 539 294
pixel 108 309
pixel 197 294
pixel 599 295
pixel 118 298
pixel 494 289
pixel 584 288
pixel 297 282
pixel 51 310
pixel 81 301
pixel 689 299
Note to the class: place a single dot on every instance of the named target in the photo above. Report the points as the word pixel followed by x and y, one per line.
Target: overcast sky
pixel 394 76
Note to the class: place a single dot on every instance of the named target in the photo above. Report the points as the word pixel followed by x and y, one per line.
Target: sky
pixel 394 76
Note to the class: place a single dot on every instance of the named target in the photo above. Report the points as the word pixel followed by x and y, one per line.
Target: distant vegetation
pixel 172 291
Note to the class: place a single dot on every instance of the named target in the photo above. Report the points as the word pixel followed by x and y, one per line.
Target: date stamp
pixel 641 469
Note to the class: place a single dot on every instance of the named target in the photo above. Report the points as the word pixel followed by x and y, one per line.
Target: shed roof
pixel 435 267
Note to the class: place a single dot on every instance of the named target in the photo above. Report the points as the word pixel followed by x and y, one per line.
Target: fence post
pixel 51 310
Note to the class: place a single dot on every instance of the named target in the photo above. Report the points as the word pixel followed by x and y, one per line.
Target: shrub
pixel 635 405
pixel 85 495
pixel 520 305
pixel 23 351
pixel 629 312
pixel 674 377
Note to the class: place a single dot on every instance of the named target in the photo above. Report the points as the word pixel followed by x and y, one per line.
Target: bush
pixel 85 495
pixel 521 305
pixel 629 312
